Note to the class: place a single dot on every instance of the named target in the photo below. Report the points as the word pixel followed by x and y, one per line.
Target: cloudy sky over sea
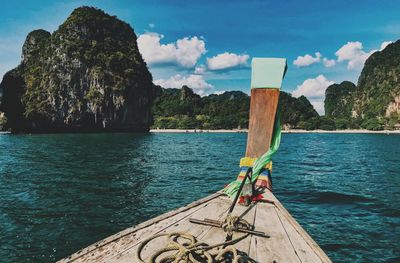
pixel 208 45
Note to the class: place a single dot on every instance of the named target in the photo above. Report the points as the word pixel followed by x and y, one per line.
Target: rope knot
pixel 229 224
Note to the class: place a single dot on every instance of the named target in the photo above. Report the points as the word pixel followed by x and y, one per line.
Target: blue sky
pixel 209 44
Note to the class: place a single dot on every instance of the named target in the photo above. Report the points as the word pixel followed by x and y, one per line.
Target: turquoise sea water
pixel 62 192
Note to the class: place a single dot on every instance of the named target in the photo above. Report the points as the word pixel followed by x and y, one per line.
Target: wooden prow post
pixel 266 81
pixel 263 106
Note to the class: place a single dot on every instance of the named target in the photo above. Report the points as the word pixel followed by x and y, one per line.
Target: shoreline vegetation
pixel 349 131
pixel 372 104
pixel 283 131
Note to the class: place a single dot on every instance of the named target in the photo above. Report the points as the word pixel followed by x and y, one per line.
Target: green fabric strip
pixel 233 187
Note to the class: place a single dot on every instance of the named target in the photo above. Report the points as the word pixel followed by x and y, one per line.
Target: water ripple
pixel 62 192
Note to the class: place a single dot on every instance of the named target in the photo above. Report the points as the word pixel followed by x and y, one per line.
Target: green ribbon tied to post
pixel 261 162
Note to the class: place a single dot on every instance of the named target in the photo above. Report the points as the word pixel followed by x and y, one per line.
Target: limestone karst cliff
pixel 375 102
pixel 88 75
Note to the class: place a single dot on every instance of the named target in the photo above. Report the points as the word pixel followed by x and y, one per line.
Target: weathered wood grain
pixel 248 214
pixel 278 246
pixel 288 242
pixel 263 106
pixel 303 250
pixel 215 210
pixel 304 235
pixel 112 245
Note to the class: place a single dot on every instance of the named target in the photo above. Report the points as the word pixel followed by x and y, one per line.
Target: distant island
pixel 89 75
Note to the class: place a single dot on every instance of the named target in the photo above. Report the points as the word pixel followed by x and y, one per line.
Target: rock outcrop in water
pixel 88 75
pixel 375 102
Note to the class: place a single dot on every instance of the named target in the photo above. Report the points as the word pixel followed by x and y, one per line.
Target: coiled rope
pixel 194 251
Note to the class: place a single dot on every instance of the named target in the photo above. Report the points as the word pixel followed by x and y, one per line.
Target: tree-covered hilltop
pixel 87 75
pixel 297 113
pixel 339 101
pixel 374 103
pixel 183 109
pixel 377 98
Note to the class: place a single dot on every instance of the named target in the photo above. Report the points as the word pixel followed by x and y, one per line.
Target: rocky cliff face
pixel 378 90
pixel 375 102
pixel 339 100
pixel 88 76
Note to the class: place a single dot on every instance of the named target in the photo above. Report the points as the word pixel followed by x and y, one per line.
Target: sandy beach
pixel 196 131
pixel 284 131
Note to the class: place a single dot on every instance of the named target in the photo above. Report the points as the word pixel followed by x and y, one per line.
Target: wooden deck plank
pixel 304 236
pixel 214 210
pixel 217 235
pixel 278 246
pixel 253 246
pixel 114 244
pixel 248 214
pixel 119 245
pixel 288 242
pixel 303 250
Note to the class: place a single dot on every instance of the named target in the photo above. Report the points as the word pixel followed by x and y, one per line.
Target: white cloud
pixel 227 61
pixel 184 52
pixel 307 60
pixel 329 62
pixel 200 70
pixel 219 92
pixel 195 82
pixel 314 90
pixel 385 44
pixel 354 54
